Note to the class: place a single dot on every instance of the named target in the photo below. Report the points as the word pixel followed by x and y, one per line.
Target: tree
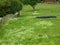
pixel 10 7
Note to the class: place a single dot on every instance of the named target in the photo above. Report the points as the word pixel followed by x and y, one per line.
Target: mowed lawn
pixel 29 30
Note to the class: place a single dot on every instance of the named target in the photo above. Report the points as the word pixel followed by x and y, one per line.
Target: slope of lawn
pixel 28 30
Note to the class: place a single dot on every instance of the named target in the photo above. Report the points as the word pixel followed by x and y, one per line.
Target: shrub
pixel 9 7
pixel 59 1
pixel 32 3
pixel 39 1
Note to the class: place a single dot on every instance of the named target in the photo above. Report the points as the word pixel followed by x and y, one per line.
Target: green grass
pixel 28 30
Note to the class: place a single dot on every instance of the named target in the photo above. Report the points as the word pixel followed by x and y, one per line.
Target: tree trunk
pixel 45 1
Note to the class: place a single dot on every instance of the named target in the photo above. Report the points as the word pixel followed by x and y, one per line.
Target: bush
pixel 39 1
pixel 59 1
pixel 30 2
pixel 9 7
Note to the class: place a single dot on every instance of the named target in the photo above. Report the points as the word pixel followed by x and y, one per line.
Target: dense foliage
pixel 9 7
pixel 13 6
pixel 39 1
pixel 30 2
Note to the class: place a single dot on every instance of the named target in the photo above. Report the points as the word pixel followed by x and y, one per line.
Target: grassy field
pixel 28 30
